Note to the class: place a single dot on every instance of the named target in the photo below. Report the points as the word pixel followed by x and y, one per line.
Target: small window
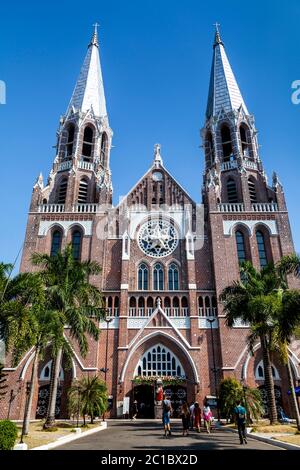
pixel 56 242
pixel 76 244
pixel 104 146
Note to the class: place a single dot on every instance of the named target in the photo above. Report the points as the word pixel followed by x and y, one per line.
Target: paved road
pixel 148 435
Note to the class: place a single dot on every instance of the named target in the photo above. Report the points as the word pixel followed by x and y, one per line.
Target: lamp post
pixel 105 369
pixel 214 369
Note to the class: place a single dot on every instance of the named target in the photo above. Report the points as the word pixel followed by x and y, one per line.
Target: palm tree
pixel 254 301
pixel 75 300
pixel 288 319
pixel 89 397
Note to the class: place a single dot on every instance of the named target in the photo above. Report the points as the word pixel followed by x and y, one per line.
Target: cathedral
pixel 165 258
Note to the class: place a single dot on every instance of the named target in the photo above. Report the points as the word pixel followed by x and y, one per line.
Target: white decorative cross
pixel 217 26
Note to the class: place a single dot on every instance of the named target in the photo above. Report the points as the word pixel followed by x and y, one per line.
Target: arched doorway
pixel 158 362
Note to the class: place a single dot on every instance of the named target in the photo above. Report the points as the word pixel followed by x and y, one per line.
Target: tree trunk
pixel 293 394
pixel 27 412
pixel 55 371
pixel 269 383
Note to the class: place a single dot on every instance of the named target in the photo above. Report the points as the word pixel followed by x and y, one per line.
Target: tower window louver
pixel 252 190
pixel 231 191
pixel 62 193
pixel 83 191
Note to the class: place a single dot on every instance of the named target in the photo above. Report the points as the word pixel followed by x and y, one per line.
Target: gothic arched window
pixel 62 191
pixel 76 244
pixel 56 242
pixel 173 277
pixel 158 277
pixel 226 142
pixel 261 249
pixel 83 191
pixel 143 277
pixel 240 246
pixel 231 191
pixel 87 146
pixel 159 361
pixel 252 189
pixel 70 140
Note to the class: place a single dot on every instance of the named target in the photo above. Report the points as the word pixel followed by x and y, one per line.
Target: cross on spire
pixel 218 39
pixel 216 25
pixel 94 40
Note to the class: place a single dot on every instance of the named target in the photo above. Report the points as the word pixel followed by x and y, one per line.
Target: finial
pixel 218 39
pixel 39 181
pixel 275 180
pixel 94 40
pixel 157 156
pixel 158 302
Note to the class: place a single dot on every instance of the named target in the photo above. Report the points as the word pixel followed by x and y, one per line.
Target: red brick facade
pixel 236 198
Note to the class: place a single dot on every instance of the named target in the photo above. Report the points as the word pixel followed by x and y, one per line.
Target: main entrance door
pixel 144 395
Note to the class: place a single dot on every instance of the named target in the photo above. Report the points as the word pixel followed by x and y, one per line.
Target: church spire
pixel 89 90
pixel 224 92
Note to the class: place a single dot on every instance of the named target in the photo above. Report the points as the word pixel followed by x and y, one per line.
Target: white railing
pixel 264 207
pixel 113 312
pixel 85 165
pixel 64 165
pixel 48 208
pixel 228 165
pixel 250 164
pixel 85 208
pixel 231 207
pixel 170 312
pixel 207 311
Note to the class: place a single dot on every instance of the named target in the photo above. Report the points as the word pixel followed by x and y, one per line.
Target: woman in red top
pixel 197 416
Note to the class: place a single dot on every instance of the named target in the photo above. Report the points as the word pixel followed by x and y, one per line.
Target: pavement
pixel 148 435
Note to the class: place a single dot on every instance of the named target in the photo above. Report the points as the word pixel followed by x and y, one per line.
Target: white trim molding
pixel 228 226
pixel 65 225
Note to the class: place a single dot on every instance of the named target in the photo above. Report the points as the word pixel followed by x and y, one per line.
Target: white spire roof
pixel 89 90
pixel 224 92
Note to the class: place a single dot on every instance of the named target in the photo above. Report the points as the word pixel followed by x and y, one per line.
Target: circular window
pixel 157 238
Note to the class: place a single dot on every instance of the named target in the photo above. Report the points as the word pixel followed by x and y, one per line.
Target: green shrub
pixel 53 429
pixel 8 434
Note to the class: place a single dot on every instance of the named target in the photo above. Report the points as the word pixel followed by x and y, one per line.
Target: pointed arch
pixel 173 277
pixel 252 189
pixel 62 190
pixel 209 149
pixel 56 240
pixel 70 141
pixel 232 195
pixel 104 149
pixel 261 246
pixel 83 191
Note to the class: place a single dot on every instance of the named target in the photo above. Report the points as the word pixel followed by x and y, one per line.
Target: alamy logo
pixel 296 94
pixel 2 92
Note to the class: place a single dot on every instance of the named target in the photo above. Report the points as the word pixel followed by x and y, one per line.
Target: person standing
pixel 197 416
pixel 207 417
pixel 240 417
pixel 166 415
pixel 185 417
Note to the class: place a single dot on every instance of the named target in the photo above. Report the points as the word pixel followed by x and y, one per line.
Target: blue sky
pixel 156 58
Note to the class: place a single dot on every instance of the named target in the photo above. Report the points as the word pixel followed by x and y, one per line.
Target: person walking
pixel 192 408
pixel 134 410
pixel 166 415
pixel 240 418
pixel 197 416
pixel 185 417
pixel 207 417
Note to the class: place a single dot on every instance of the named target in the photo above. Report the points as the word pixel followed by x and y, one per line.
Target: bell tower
pixel 81 169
